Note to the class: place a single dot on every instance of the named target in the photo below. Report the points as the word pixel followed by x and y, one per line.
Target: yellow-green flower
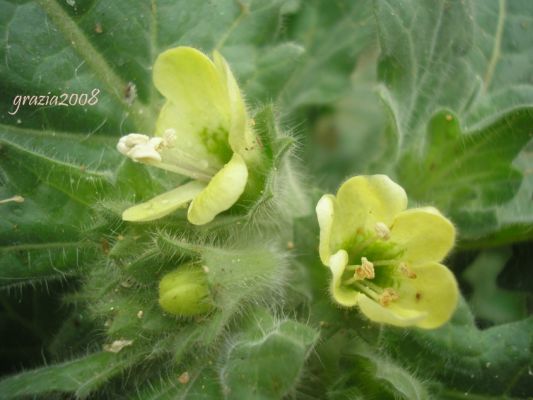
pixel 384 258
pixel 202 132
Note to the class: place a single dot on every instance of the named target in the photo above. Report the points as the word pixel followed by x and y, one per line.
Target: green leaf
pixel 470 58
pixel 202 384
pixel 80 376
pixel 265 361
pixel 488 301
pixel 402 382
pixel 467 172
pixel 68 56
pixel 332 35
pixel 459 55
pixel 37 262
pixel 513 220
pixel 351 367
pixel 352 138
pixel 422 48
pixel 40 237
pixel 501 56
pixel 82 185
pixel 487 362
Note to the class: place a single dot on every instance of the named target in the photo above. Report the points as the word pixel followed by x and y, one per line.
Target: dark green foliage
pixel 438 96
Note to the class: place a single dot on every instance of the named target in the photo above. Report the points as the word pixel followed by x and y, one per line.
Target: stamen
pixel 17 199
pixel 376 293
pixel 140 148
pixel 382 230
pixel 405 270
pixel 373 286
pixel 365 270
pixel 366 290
pixel 389 295
pixel 148 150
pixel 190 172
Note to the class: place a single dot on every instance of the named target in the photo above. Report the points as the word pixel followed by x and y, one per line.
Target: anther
pixel 365 270
pixel 140 148
pixel 126 143
pixel 389 295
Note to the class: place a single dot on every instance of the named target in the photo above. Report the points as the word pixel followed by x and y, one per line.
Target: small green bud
pixel 184 292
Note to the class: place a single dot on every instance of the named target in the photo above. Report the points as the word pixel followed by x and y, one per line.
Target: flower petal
pixel 344 296
pixel 198 105
pixel 364 201
pixel 428 301
pixel 325 212
pixel 163 204
pixel 391 315
pixel 434 290
pixel 424 233
pixel 241 138
pixel 221 192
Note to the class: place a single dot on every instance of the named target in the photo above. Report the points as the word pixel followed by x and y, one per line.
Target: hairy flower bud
pixel 184 292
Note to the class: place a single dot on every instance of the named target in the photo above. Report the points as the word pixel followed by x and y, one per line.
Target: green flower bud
pixel 184 292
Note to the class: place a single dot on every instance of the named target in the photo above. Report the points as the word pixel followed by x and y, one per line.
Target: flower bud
pixel 184 292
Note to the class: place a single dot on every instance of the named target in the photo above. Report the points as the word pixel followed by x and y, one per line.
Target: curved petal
pixel 198 102
pixel 424 233
pixel 163 204
pixel 434 290
pixel 241 137
pixel 428 301
pixel 391 315
pixel 190 80
pixel 344 296
pixel 362 202
pixel 221 192
pixel 325 212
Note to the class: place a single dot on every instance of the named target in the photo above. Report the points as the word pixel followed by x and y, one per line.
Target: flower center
pixel 151 151
pixel 380 265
